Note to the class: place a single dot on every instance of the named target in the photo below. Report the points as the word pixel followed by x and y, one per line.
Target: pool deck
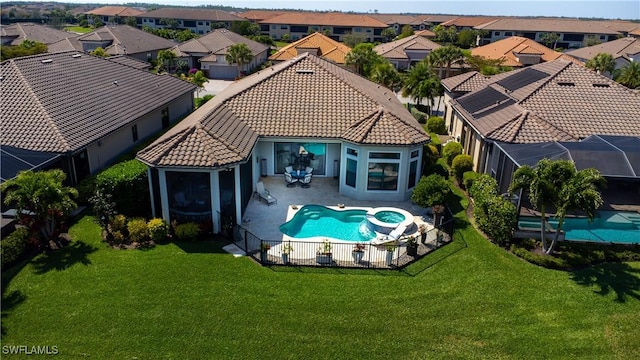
pixel 264 220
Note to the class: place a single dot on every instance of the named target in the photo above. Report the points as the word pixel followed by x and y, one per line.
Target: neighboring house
pixel 316 44
pixel 208 53
pixel 79 112
pixel 426 34
pixel 405 52
pixel 573 33
pixel 198 20
pixel 109 13
pixel 518 51
pixel 395 21
pixel 303 112
pixel 468 22
pixel 256 16
pixel 117 40
pixel 15 34
pixel 425 22
pixel 553 101
pixel 299 24
pixel 623 50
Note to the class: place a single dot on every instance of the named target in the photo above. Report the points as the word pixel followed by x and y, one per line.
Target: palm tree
pixel 386 75
pixel 166 58
pixel 239 54
pixel 198 79
pixel 602 63
pixel 42 194
pixel 630 75
pixel 446 56
pixel 363 57
pixel 422 82
pixel 550 40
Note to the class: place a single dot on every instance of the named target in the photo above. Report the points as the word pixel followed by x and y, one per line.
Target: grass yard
pixel 469 299
pixel 78 29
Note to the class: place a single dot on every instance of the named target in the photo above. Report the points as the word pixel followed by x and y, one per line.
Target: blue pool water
pixel 317 220
pixel 392 217
pixel 607 226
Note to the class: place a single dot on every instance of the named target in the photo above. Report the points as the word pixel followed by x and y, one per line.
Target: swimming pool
pixel 607 227
pixel 321 221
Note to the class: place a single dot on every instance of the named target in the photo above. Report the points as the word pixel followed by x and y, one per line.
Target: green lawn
pixel 469 299
pixel 78 29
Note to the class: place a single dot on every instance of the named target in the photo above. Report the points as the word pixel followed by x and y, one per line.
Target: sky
pixel 624 9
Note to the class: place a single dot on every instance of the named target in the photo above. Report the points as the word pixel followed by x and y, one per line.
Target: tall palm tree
pixel 239 54
pixel 363 57
pixel 386 75
pixel 602 63
pixel 422 82
pixel 43 195
pixel 446 56
pixel 630 75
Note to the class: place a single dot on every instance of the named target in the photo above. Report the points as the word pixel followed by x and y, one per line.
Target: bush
pixel 450 151
pixel 128 185
pixel 118 237
pixel 14 246
pixel 158 229
pixel 461 164
pixel 431 190
pixel 187 232
pixel 138 230
pixel 468 178
pixel 86 189
pixel 200 101
pixel 435 124
pixel 119 223
pixel 419 115
pixel 483 186
pixel 547 261
pixel 430 156
pixel 501 216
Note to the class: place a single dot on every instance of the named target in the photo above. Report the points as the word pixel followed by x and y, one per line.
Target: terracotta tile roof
pixel 306 97
pixel 40 33
pixel 131 62
pixel 396 49
pixel 509 48
pixel 552 101
pixel 554 25
pixel 191 14
pixel 623 47
pixel 217 42
pixel 330 19
pixel 391 19
pixel 259 15
pixel 465 82
pixel 426 33
pixel 49 104
pixel 126 40
pixel 326 47
pixel 122 11
pixel 469 21
pixel 436 18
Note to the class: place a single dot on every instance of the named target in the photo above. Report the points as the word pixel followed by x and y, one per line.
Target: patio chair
pixel 288 169
pixel 308 170
pixel 265 195
pixel 290 180
pixel 306 180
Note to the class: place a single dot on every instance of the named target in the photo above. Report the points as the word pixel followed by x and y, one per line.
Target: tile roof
pixel 465 82
pixel 426 33
pixel 553 25
pixel 553 101
pixel 40 33
pixel 129 61
pixel 436 18
pixel 122 11
pixel 469 21
pixel 622 47
pixel 327 48
pixel 509 48
pixel 65 101
pixel 391 19
pixel 329 19
pixel 259 15
pixel 191 14
pixel 217 42
pixel 306 97
pixel 66 44
pixel 126 40
pixel 397 49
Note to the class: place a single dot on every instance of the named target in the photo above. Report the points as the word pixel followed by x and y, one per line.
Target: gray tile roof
pixel 129 61
pixel 126 40
pixel 40 33
pixel 191 14
pixel 567 103
pixel 67 44
pixel 397 49
pixel 556 25
pixel 306 97
pixel 623 47
pixel 217 42
pixel 65 101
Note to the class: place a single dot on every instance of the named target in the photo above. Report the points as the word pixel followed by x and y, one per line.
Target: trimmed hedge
pixel 468 178
pixel 187 231
pixel 450 151
pixel 461 164
pixel 14 246
pixel 435 124
pixel 419 115
pixel 431 190
pixel 127 182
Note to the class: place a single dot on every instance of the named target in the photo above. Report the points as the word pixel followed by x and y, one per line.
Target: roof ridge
pixel 371 118
pixel 180 135
pixel 50 122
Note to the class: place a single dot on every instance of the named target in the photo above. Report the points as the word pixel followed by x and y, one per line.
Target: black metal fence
pixel 326 253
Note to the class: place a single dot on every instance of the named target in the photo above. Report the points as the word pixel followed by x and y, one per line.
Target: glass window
pixel 200 23
pixel 352 172
pixel 189 196
pixel 301 155
pixel 413 172
pixel 352 152
pixel 384 155
pixel 134 132
pixel 496 33
pixel 274 27
pixel 382 176
pixel 165 118
pixel 508 33
pixel 415 153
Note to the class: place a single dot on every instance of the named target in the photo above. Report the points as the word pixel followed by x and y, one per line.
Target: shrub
pixel 127 183
pixel 86 189
pixel 103 208
pixel 547 261
pixel 483 186
pixel 451 150
pixel 200 101
pixel 468 178
pixel 119 223
pixel 435 124
pixel 419 115
pixel 13 246
pixel 138 230
pixel 501 216
pixel 430 156
pixel 158 229
pixel 118 237
pixel 461 164
pixel 431 190
pixel 187 232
